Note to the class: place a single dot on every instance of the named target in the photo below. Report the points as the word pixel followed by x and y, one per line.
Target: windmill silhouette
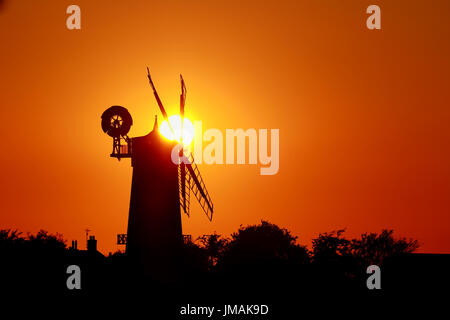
pixel 159 189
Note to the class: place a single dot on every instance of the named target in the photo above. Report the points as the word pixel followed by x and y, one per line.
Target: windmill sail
pixel 158 100
pixel 184 183
pixel 182 98
pixel 198 188
pixel 189 177
pixel 184 192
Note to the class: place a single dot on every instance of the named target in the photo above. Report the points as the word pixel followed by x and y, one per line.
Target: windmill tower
pixel 159 190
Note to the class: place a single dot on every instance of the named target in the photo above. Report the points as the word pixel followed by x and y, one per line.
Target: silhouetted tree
pixel 374 248
pixel 44 240
pixel 263 242
pixel 195 258
pixel 11 244
pixel 334 264
pixel 330 247
pixel 33 262
pixel 261 256
pixel 214 245
pixel 10 237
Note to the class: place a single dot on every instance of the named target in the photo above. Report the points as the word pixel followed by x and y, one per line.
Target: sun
pixel 175 122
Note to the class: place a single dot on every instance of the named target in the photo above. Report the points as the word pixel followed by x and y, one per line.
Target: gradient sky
pixel 363 115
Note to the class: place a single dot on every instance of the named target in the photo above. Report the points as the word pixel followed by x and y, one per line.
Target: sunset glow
pixel 175 122
pixel 362 114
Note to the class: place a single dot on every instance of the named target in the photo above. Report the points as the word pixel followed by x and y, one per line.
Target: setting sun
pixel 175 122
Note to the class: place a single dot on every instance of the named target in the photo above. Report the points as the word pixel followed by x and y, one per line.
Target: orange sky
pixel 363 115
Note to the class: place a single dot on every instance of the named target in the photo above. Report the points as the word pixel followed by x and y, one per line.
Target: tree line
pixel 254 258
pixel 266 242
pixel 261 242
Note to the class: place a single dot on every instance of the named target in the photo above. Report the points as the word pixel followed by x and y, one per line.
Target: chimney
pixel 92 244
pixel 74 245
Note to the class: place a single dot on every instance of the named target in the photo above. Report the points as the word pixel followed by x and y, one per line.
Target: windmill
pixel 159 189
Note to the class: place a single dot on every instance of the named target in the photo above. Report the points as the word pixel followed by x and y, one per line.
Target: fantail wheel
pixel 116 121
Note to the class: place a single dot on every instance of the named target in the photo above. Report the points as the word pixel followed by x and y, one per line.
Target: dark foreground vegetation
pixel 260 264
